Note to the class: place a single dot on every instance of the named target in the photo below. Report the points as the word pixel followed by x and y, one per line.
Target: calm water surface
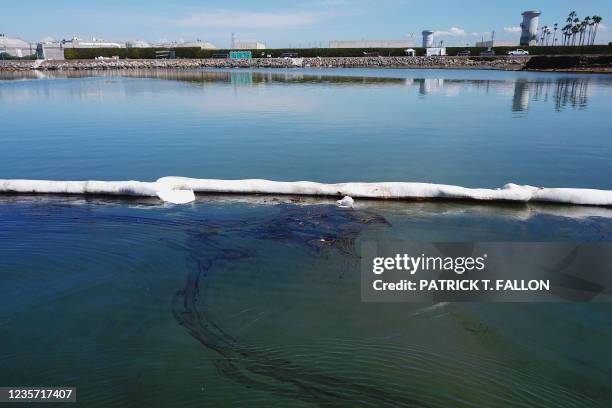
pixel 236 301
pixel 472 128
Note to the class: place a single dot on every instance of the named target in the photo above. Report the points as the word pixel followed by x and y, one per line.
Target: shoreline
pixel 580 64
pixel 499 63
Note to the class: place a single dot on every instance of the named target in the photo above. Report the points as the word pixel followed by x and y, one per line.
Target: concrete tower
pixel 427 38
pixel 529 27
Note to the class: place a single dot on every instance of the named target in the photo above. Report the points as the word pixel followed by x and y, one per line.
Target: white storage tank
pixel 427 38
pixel 16 47
pixel 529 27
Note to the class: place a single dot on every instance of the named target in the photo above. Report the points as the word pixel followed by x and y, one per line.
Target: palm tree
pixel 550 33
pixel 590 34
pixel 554 34
pixel 596 21
pixel 581 31
pixel 570 24
pixel 587 30
pixel 575 31
pixel 565 31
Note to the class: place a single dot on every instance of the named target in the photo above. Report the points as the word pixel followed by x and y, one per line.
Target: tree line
pixel 574 32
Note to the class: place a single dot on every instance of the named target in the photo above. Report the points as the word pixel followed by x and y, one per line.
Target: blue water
pixel 237 301
pixel 472 128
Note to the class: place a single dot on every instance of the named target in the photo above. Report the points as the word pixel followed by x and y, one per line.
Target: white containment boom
pixel 181 190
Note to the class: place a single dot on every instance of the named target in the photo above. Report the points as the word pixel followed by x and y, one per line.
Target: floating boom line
pixel 182 190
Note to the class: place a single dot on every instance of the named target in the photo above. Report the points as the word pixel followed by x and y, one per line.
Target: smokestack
pixel 427 38
pixel 529 27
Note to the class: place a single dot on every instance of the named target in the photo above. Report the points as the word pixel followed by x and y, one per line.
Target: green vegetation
pixel 149 53
pixel 592 62
pixel 132 53
pixel 7 56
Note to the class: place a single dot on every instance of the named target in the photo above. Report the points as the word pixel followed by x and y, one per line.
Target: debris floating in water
pixel 346 202
pixel 167 187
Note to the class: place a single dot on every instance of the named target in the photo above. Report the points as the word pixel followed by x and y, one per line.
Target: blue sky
pixel 283 23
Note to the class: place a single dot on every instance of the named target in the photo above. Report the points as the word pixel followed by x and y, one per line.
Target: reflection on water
pixel 564 90
pixel 520 100
pixel 355 124
pixel 235 76
pixel 572 93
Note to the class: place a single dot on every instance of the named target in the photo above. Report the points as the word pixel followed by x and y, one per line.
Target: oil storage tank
pixel 529 27
pixel 427 38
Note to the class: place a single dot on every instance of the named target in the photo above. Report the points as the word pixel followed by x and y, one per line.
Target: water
pixel 236 301
pixel 471 128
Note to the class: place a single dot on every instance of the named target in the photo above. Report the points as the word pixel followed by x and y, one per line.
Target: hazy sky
pixel 283 23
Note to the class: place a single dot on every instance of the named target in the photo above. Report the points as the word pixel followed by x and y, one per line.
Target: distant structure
pixel 427 38
pixel 137 44
pixel 50 50
pixel 248 45
pixel 529 27
pixel 435 51
pixel 371 44
pixel 204 45
pixel 16 47
pixel 494 43
pixel 240 55
pixel 76 42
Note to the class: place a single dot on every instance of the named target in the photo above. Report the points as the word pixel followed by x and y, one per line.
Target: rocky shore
pixel 575 63
pixel 502 62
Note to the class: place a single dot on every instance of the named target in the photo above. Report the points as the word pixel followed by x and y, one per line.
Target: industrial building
pixel 427 38
pixel 495 43
pixel 248 45
pixel 371 44
pixel 435 51
pixel 137 44
pixel 204 45
pixel 93 43
pixel 16 47
pixel 529 27
pixel 50 51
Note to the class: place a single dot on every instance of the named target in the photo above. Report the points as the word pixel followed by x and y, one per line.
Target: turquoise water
pixel 236 301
